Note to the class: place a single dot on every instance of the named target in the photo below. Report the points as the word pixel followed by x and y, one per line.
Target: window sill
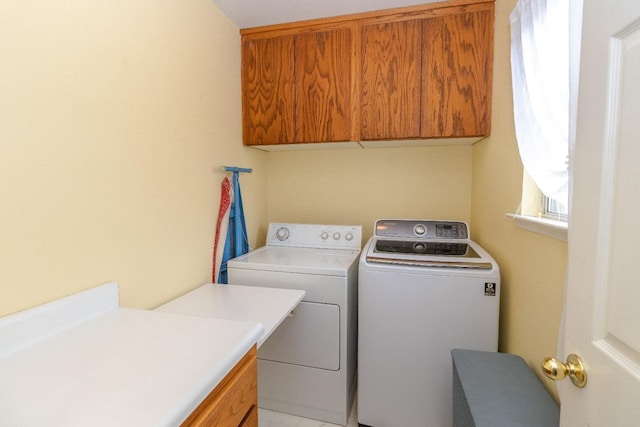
pixel 548 227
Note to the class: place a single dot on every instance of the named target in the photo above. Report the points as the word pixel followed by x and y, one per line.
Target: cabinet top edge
pixel 407 12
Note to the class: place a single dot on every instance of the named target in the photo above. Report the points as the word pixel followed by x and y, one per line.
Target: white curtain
pixel 540 74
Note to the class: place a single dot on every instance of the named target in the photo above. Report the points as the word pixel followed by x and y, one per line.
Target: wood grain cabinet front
pixel 409 73
pixel 323 85
pixel 390 80
pixel 428 78
pixel 267 90
pixel 296 88
pixel 457 70
pixel 234 401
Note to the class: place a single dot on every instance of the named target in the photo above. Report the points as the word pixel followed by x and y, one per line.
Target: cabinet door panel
pixel 323 84
pixel 457 71
pixel 390 85
pixel 233 401
pixel 267 92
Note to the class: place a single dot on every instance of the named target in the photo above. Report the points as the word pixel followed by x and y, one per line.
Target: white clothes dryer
pixel 424 289
pixel 307 366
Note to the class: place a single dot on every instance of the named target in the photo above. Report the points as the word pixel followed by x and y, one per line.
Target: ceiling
pixel 255 13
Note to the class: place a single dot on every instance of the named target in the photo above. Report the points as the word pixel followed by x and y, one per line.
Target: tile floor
pixel 268 418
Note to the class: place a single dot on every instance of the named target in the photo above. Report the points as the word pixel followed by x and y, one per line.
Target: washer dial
pixel 420 229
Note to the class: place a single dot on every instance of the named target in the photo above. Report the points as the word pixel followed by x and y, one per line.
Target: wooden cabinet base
pixel 234 402
pixel 251 419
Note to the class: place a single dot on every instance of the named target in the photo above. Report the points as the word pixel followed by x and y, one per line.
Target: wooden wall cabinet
pixel 234 401
pixel 427 78
pixel 457 70
pixel 410 73
pixel 390 80
pixel 297 88
pixel 323 85
pixel 267 90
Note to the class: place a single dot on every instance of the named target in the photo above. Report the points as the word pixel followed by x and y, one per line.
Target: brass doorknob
pixel 558 370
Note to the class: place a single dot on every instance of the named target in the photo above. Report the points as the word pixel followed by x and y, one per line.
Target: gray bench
pixel 499 390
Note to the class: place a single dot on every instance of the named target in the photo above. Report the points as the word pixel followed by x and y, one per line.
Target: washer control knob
pixel 324 235
pixel 282 233
pixel 336 236
pixel 420 229
pixel 349 236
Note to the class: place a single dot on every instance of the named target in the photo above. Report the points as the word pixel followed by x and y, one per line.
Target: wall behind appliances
pixel 114 118
pixel 358 186
pixel 532 266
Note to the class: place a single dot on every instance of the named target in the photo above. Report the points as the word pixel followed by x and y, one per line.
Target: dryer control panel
pixel 421 229
pixel 315 236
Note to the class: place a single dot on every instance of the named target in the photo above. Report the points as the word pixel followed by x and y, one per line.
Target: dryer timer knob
pixel 282 233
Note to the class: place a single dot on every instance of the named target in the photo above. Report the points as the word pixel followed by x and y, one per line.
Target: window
pixel 552 208
pixel 544 75
pixel 532 215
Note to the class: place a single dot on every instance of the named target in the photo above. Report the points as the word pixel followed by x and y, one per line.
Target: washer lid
pixel 330 262
pixel 428 253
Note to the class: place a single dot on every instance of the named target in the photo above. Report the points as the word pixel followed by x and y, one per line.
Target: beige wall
pixel 114 119
pixel 532 266
pixel 358 186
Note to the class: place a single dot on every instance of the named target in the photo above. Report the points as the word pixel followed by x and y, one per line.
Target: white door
pixel 602 313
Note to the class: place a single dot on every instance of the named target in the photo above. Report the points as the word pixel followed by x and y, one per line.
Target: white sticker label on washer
pixel 489 289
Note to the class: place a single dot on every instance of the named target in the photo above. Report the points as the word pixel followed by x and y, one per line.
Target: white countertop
pixel 268 306
pixel 112 366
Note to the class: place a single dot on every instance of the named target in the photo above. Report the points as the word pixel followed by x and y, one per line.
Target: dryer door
pixel 310 337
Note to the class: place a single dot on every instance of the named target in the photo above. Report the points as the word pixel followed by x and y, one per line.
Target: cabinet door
pixel 457 73
pixel 233 401
pixel 323 85
pixel 267 90
pixel 391 75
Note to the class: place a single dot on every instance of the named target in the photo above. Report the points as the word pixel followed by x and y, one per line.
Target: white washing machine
pixel 307 366
pixel 424 289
